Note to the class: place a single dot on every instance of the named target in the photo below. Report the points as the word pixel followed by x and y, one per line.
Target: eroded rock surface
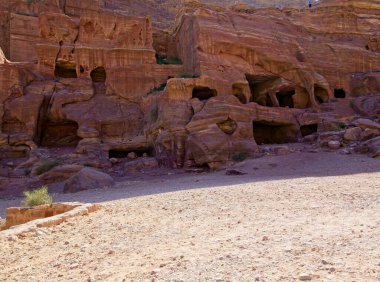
pixel 105 80
pixel 86 179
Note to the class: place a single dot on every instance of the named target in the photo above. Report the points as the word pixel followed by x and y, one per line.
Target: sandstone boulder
pixel 325 137
pixel 367 123
pixel 373 146
pixel 352 134
pixel 132 156
pixel 369 134
pixel 86 179
pixel 60 173
pixel 334 144
pixel 141 164
pixel 368 105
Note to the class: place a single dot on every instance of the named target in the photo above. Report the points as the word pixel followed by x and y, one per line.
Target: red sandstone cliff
pixel 93 75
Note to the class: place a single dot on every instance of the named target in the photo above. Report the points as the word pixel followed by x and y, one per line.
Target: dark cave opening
pixel 238 92
pixel 285 98
pixel 309 129
pixel 203 93
pixel 272 133
pixel 59 134
pixel 121 153
pixel 339 93
pixel 319 99
pixel 241 98
pixel 321 94
pixel 65 70
pixel 98 74
pixel 259 85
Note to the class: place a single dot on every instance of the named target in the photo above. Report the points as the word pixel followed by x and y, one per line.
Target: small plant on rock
pixel 45 167
pixel 37 197
pixel 342 125
pixel 239 156
pixel 158 88
pixel 34 1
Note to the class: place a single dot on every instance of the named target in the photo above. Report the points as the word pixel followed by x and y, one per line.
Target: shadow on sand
pixel 269 168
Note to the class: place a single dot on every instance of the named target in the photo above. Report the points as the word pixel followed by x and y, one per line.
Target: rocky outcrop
pixel 105 81
pixel 3 59
pixel 368 105
pixel 87 179
pixel 312 64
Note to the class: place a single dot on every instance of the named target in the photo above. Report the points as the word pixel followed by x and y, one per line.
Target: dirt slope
pixel 281 222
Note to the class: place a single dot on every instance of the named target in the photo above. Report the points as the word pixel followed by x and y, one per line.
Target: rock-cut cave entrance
pixel 120 153
pixel 273 133
pixel 238 92
pixel 339 93
pixel 65 69
pixel 321 94
pixel 59 134
pixel 309 129
pixel 259 85
pixel 285 98
pixel 98 75
pixel 203 93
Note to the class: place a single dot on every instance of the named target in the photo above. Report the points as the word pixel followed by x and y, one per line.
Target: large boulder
pixel 60 173
pixel 367 123
pixel 141 164
pixel 87 179
pixel 373 146
pixel 352 134
pixel 368 105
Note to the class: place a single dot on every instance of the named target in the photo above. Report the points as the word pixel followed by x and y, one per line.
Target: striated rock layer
pixel 85 74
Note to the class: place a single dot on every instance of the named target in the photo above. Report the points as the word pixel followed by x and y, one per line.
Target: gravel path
pixel 283 221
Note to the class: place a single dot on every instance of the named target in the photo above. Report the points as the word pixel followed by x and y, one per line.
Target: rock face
pixel 86 179
pixel 99 77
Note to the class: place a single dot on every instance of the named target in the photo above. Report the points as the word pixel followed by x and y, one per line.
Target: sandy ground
pixel 297 217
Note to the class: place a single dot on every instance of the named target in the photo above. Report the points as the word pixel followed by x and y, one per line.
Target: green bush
pixel 342 125
pixel 34 1
pixel 338 126
pixel 239 156
pixel 37 197
pixel 45 167
pixel 162 60
pixel 158 88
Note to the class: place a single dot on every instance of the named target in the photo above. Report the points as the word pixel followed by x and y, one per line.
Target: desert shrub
pixel 174 61
pixel 239 156
pixel 342 125
pixel 34 1
pixel 158 88
pixel 162 60
pixel 45 167
pixel 338 126
pixel 37 197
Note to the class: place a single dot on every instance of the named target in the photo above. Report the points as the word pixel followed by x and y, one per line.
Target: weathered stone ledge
pixel 78 209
